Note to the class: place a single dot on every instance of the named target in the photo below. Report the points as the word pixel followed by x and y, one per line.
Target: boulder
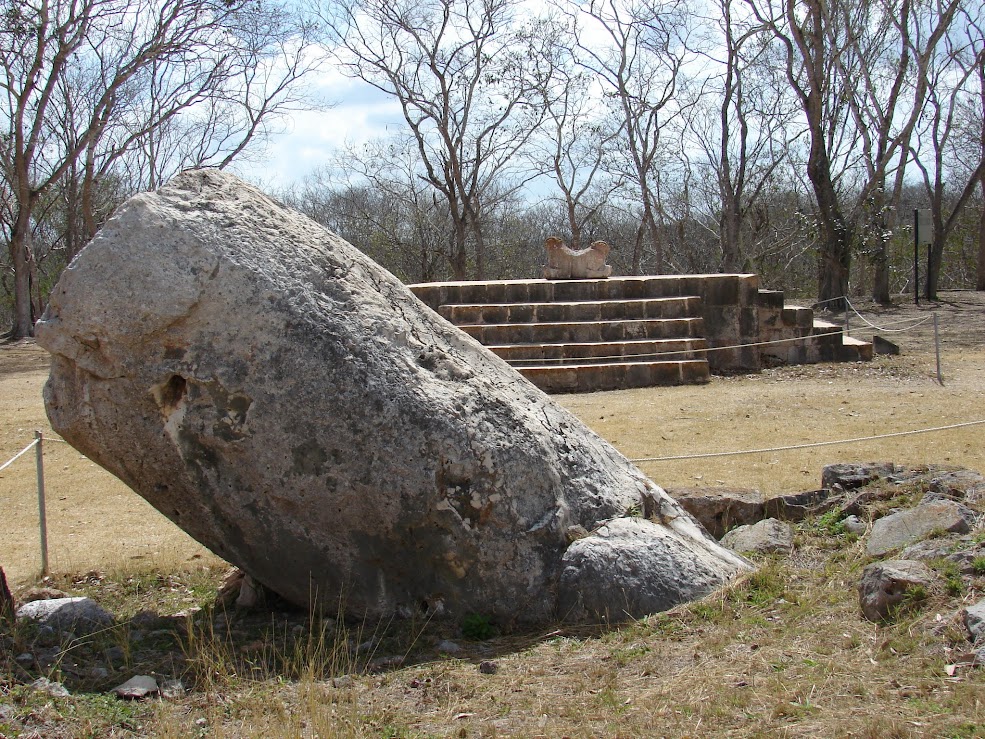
pixel 603 577
pixel 897 530
pixel 769 536
pixel 292 406
pixel 720 509
pixel 79 616
pixel 885 586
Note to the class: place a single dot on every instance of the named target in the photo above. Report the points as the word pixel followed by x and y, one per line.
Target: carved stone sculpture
pixel 564 263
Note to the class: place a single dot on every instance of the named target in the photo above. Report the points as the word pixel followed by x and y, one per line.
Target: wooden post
pixel 42 514
pixel 937 349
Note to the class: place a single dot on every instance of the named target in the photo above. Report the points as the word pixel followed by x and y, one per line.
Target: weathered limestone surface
pixel 292 406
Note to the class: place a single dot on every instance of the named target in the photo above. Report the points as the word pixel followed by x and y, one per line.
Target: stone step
pixel 601 352
pixel 838 347
pixel 571 311
pixel 715 289
pixel 855 350
pixel 579 332
pixel 581 378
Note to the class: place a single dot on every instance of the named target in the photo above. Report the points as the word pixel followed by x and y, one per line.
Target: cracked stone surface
pixel 291 405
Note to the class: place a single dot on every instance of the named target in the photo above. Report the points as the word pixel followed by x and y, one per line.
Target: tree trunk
pixel 936 258
pixel 729 233
pixel 880 275
pixel 21 258
pixel 835 249
pixel 980 282
pixel 653 232
pixel 459 257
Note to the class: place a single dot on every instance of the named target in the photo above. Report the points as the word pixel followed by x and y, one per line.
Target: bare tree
pixel 950 151
pixel 75 77
pixel 640 63
pixel 468 77
pixel 575 146
pixel 858 70
pixel 740 124
pixel 374 196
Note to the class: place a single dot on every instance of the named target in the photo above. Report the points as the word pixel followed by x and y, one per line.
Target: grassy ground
pixel 782 653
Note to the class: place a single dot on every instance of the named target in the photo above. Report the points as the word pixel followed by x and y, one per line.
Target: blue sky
pixel 360 113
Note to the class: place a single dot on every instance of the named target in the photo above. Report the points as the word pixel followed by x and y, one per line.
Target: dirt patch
pixel 96 522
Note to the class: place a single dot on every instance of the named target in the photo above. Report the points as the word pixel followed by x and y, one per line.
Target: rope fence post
pixel 937 351
pixel 42 513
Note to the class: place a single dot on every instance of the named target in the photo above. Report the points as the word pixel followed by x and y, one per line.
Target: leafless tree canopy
pixel 793 138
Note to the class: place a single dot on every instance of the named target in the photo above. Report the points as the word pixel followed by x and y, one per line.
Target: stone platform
pixel 621 332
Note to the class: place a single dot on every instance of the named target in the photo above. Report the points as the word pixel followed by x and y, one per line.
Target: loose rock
pixel 766 537
pixel 855 475
pixel 884 586
pixel 448 647
pixel 798 506
pixel 292 406
pixel 137 687
pixel 974 621
pixel 855 525
pixel 52 688
pixel 603 577
pixel 956 484
pixel 80 616
pixel 905 527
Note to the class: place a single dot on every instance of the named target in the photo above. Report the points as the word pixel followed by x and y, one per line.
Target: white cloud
pixel 360 113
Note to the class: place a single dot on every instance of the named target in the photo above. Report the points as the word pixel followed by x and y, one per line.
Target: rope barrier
pixel 788 340
pixel 918 321
pixel 809 445
pixel 19 454
pixel 694 351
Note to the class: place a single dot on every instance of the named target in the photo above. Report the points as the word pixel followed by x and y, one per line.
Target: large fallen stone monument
pixel 292 406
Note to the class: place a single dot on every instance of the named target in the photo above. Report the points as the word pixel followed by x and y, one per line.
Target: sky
pixel 360 113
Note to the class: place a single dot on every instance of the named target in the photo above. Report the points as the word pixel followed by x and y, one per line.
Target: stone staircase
pixel 623 332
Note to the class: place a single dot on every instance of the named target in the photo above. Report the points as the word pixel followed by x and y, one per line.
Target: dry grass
pixel 781 653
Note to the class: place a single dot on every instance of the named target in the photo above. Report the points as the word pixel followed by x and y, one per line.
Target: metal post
pixel 42 514
pixel 847 327
pixel 916 257
pixel 937 349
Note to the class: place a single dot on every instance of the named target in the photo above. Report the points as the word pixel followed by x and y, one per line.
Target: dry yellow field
pixel 95 522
